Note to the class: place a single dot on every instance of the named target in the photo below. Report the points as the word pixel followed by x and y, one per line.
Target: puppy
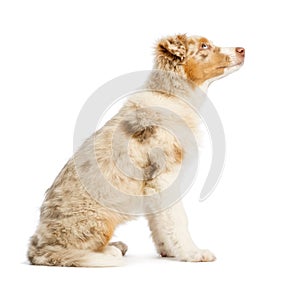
pixel 82 208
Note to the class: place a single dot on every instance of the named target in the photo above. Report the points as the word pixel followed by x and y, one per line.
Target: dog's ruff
pixel 74 228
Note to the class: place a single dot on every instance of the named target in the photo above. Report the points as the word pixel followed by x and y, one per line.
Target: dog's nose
pixel 240 50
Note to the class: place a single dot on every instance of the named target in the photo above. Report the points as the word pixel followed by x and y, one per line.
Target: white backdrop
pixel 54 54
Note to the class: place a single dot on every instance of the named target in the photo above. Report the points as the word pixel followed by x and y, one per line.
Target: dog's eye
pixel 204 46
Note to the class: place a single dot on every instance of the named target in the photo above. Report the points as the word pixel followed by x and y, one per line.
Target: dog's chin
pixel 226 71
pixel 232 68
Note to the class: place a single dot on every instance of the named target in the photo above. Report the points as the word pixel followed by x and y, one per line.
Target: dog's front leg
pixel 171 236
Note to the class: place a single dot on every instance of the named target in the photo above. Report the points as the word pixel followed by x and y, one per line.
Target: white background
pixel 54 54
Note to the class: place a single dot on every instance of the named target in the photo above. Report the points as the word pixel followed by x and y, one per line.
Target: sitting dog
pixel 75 227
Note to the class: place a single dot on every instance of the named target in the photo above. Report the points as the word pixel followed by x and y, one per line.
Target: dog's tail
pixel 59 256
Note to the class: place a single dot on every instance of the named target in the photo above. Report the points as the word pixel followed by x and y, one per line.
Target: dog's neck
pixel 173 79
pixel 168 82
pixel 173 84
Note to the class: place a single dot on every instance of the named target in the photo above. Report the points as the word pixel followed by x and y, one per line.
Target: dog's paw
pixel 164 253
pixel 121 246
pixel 112 251
pixel 197 256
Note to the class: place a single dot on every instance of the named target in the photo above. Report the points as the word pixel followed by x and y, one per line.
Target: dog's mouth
pixel 231 66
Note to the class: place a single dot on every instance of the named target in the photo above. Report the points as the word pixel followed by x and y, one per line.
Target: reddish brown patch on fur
pixel 191 41
pixel 178 153
pixel 204 40
pixel 207 66
pixel 105 233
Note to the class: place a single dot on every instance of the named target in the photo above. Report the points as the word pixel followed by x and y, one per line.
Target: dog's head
pixel 197 58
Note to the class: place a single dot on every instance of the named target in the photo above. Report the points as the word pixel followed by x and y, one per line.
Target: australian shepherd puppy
pixel 76 220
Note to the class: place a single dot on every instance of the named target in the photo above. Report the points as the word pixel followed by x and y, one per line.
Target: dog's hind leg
pixel 76 240
pixel 61 256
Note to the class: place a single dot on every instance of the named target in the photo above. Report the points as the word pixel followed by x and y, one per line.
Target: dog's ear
pixel 172 48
